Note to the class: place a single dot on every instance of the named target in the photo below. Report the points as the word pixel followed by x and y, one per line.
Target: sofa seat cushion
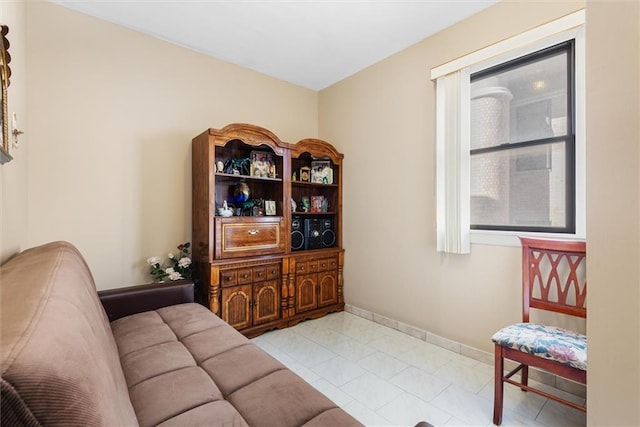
pixel 185 366
pixel 166 385
pixel 293 405
pixel 548 342
pixel 219 413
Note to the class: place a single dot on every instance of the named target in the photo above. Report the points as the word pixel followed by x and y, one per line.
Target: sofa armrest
pixel 123 302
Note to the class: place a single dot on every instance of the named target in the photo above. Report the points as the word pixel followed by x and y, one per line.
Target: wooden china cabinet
pixel 267 227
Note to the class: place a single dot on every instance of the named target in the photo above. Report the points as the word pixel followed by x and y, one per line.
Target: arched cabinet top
pixel 249 134
pixel 317 148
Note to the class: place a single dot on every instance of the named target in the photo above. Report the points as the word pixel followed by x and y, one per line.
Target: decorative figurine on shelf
pixel 305 174
pixel 294 205
pixel 238 166
pixel 225 210
pixel 219 166
pixel 306 204
pixel 241 193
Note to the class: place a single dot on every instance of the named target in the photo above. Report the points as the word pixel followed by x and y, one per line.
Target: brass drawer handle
pixel 245 275
pixel 260 274
pixel 253 231
pixel 229 278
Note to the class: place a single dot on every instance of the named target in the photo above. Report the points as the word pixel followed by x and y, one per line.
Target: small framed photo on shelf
pixel 321 172
pixel 305 174
pixel 270 207
pixel 262 164
pixel 316 203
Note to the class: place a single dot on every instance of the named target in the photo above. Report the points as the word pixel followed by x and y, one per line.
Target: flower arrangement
pixel 179 267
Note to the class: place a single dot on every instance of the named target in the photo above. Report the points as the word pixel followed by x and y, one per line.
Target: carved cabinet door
pixel 236 306
pixel 266 302
pixel 327 288
pixel 306 296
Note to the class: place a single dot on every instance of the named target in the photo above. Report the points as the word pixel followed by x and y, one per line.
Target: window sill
pixel 511 238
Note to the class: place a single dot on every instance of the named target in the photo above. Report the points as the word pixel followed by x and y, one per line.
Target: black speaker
pixel 328 236
pixel 297 233
pixel 312 233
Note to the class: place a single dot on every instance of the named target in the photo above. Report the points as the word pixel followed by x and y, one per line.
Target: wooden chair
pixel 553 279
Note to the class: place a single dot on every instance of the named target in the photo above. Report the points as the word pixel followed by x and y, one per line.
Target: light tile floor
pixel 384 377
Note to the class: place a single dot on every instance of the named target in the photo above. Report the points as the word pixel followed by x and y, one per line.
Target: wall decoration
pixel 5 74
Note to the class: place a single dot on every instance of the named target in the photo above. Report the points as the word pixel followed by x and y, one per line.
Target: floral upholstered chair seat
pixel 548 342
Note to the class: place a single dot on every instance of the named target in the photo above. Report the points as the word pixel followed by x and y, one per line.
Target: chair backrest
pixel 554 276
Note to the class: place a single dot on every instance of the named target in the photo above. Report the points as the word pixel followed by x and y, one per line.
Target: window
pixel 510 143
pixel 522 143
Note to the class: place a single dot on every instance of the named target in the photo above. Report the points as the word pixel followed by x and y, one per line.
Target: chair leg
pixel 525 376
pixel 498 388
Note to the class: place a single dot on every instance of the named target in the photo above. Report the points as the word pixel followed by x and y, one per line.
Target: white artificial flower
pixel 169 270
pixel 153 260
pixel 174 275
pixel 184 262
pixel 171 255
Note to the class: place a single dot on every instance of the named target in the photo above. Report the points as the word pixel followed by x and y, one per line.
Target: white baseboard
pixel 465 350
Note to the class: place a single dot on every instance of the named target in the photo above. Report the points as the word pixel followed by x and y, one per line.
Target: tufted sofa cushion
pixel 207 370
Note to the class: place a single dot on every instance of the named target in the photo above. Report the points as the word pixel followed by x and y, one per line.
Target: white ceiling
pixel 310 43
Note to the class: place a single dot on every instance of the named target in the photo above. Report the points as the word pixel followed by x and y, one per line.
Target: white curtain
pixel 452 162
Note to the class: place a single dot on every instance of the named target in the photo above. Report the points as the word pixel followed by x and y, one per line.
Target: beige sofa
pixel 64 363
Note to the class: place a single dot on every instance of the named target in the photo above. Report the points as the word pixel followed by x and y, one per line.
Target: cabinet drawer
pixel 259 273
pixel 248 275
pixel 228 277
pixel 248 236
pixel 244 276
pixel 326 264
pixel 302 267
pixel 273 271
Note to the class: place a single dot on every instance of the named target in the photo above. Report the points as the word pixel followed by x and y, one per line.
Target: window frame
pixel 567 47
pixel 456 229
pixel 511 237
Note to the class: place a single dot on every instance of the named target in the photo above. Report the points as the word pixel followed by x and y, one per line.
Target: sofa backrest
pixel 60 364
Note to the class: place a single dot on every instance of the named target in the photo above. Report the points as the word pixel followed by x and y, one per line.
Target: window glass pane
pixel 522 103
pixel 520 187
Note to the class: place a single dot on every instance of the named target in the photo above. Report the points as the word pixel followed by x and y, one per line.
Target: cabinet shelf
pixel 233 177
pixel 313 213
pixel 312 184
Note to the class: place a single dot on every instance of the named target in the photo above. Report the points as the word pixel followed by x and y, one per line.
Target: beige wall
pixel 112 113
pixel 13 175
pixel 383 120
pixel 613 214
